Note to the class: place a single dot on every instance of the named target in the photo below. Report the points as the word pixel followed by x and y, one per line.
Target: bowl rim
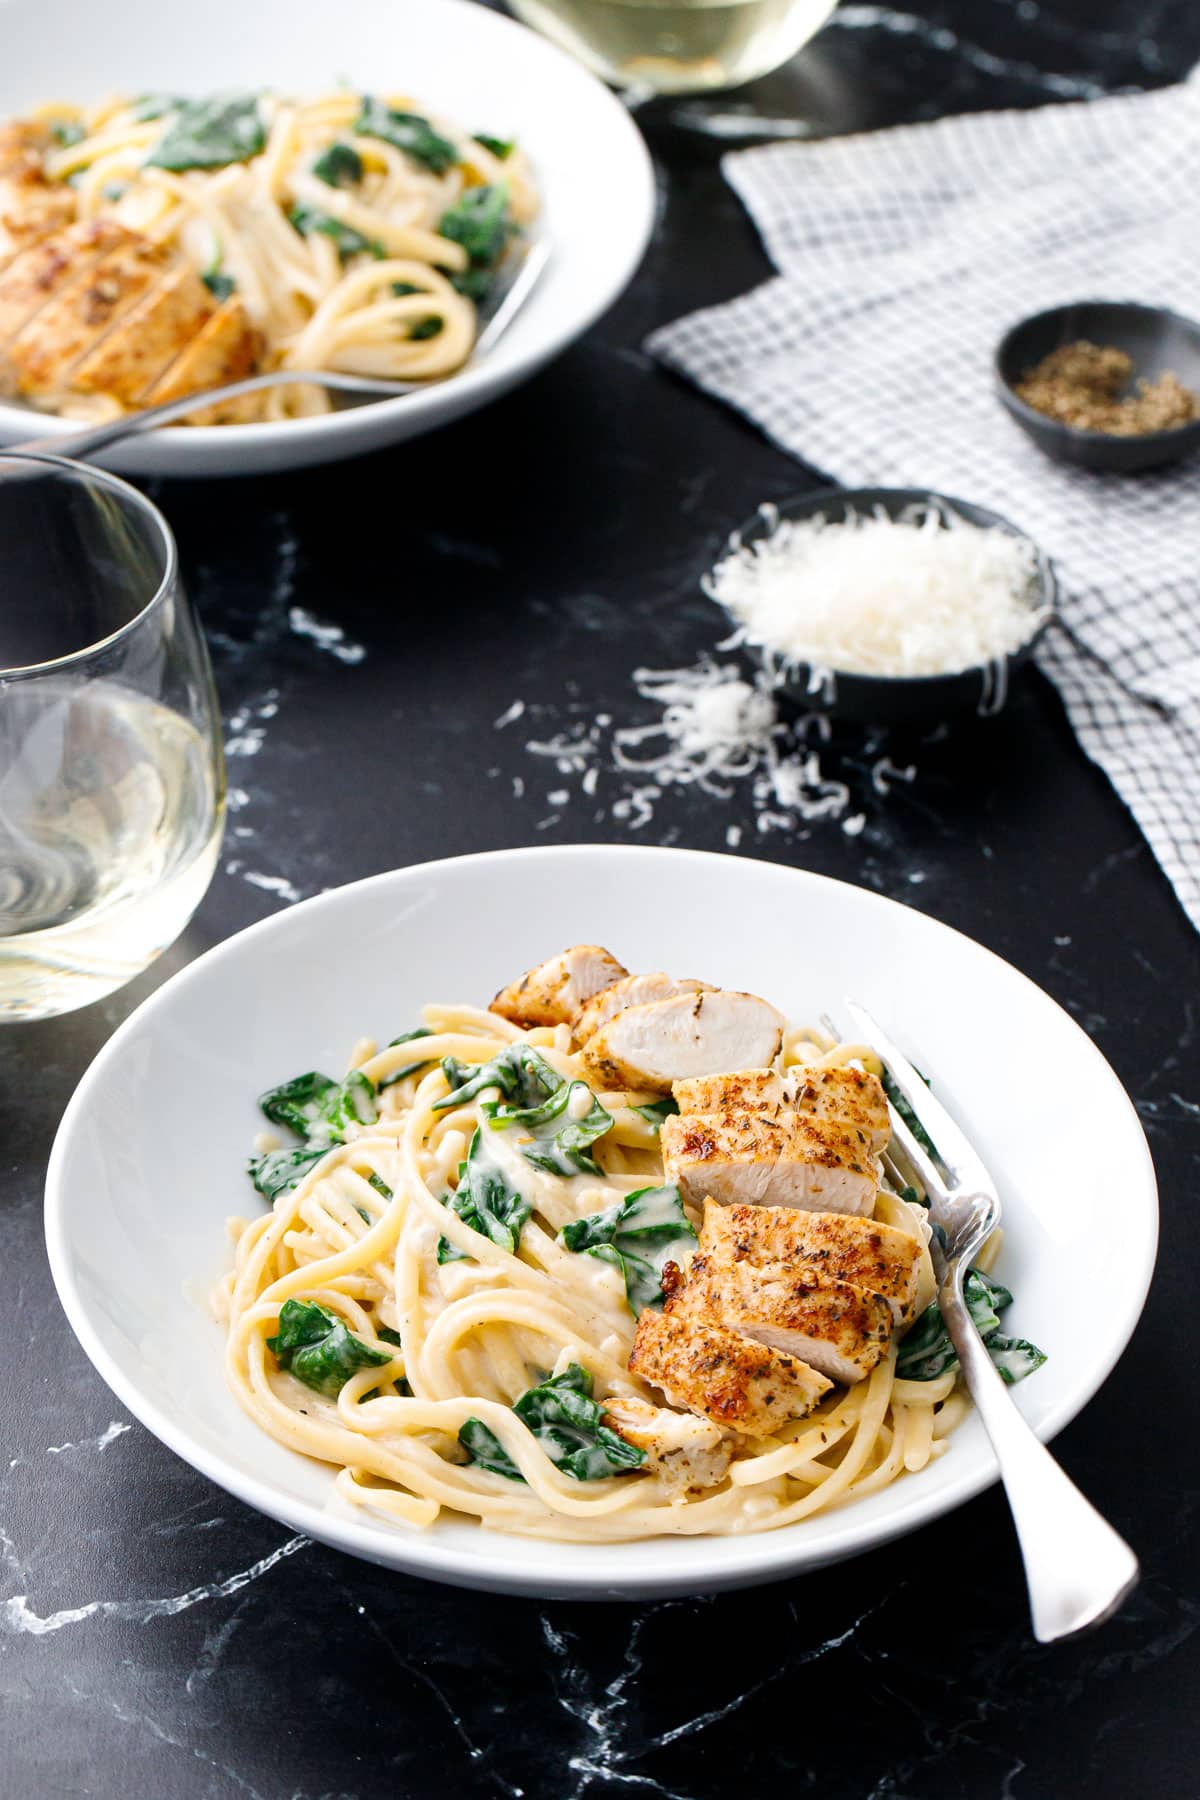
pixel 912 496
pixel 338 429
pixel 763 1556
pixel 1030 416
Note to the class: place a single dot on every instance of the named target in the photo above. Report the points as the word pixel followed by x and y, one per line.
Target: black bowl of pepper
pixel 1105 384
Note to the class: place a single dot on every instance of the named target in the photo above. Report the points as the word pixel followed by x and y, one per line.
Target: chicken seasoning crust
pixel 615 1258
pixel 154 246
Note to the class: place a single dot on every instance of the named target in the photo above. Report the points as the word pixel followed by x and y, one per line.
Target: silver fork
pixel 1077 1568
pixel 90 438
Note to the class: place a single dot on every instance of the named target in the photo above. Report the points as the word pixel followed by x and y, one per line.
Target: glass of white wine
pixel 678 46
pixel 111 778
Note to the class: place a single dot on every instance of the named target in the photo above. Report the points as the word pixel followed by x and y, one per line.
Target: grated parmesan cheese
pixel 927 593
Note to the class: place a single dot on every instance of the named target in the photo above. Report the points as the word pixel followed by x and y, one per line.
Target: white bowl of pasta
pixel 189 196
pixel 350 1361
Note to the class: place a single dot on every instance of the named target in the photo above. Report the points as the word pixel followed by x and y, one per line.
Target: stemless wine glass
pixel 111 777
pixel 677 46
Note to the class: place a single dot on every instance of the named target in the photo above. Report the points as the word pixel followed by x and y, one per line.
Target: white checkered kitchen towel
pixel 904 255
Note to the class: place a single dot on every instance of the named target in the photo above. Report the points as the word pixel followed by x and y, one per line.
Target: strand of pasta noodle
pixel 471 1333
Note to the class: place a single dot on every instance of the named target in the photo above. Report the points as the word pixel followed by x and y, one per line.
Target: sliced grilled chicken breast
pixel 839 1330
pixel 41 274
pixel 632 990
pixel 43 351
pixel 30 206
pixel 686 1452
pixel 225 348
pixel 849 1097
pixel 554 992
pixel 770 1159
pixel 739 1384
pixel 130 357
pixel 822 1247
pixel 650 1047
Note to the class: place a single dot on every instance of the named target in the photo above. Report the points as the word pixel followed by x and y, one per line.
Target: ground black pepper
pixel 1080 385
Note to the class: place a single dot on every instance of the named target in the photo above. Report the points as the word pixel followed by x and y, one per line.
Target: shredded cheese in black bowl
pixel 893 605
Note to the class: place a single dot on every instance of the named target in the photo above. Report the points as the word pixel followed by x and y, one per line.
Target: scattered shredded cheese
pixel 927 593
pixel 715 731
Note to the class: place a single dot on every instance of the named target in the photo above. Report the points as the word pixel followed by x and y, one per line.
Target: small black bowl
pixel 1155 339
pixel 916 700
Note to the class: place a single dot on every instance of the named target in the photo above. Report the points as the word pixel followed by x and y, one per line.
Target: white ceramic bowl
pixel 150 1156
pixel 476 65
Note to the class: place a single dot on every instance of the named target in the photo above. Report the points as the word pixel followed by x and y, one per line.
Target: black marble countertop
pixel 159 1639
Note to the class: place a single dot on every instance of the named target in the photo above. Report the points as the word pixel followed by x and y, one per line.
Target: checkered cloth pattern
pixel 904 255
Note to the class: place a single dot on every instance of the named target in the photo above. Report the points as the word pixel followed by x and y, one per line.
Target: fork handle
pixel 1077 1567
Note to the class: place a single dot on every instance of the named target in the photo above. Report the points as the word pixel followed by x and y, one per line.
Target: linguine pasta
pixel 464 1336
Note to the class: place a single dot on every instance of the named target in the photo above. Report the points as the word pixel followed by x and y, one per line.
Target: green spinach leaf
pixel 346 240
pixel 522 1076
pixel 567 1423
pixel 639 1236
pixel 485 1201
pixel 219 285
pixel 406 131
pixel 279 1171
pixel 655 1111
pixel 927 1351
pixel 406 1037
pixel 907 1114
pixel 321 1110
pixel 339 165
pixel 318 1348
pixel 560 1129
pixel 208 134
pixel 484 1447
pixel 501 148
pixel 153 106
pixel 479 220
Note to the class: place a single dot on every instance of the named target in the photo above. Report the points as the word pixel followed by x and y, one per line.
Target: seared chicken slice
pixel 739 1384
pixel 40 275
pixel 836 1329
pixel 649 1047
pixel 770 1159
pixel 848 1097
pixel 554 992
pixel 31 207
pixel 224 349
pixel 128 359
pixel 43 351
pixel 820 1247
pixel 686 1452
pixel 632 990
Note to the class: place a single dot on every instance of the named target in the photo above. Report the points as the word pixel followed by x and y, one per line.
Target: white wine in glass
pixel 111 783
pixel 678 46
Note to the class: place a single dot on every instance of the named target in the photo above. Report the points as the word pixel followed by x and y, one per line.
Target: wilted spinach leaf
pixel 208 134
pixel 639 1236
pixel 346 240
pixel 927 1351
pixel 339 165
pixel 479 220
pixel 485 1201
pixel 278 1171
pixel 406 131
pixel 567 1423
pixel 559 1139
pixel 406 1037
pixel 318 1348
